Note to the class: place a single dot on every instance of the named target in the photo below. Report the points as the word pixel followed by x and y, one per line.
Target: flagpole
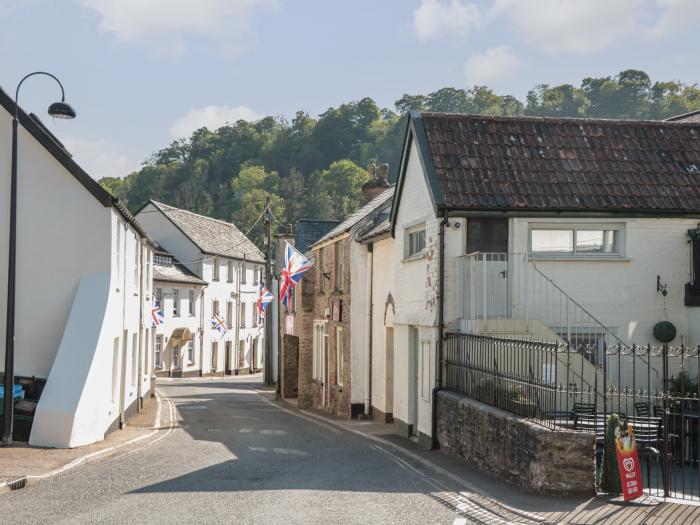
pixel 268 278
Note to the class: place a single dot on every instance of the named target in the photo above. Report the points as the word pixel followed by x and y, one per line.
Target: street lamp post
pixel 57 110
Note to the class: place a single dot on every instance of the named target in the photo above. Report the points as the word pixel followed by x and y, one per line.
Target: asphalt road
pixel 231 455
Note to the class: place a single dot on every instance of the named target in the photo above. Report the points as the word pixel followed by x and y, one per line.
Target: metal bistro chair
pixel 648 432
pixel 642 409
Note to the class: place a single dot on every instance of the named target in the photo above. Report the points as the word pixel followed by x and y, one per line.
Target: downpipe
pixel 368 332
pixel 441 330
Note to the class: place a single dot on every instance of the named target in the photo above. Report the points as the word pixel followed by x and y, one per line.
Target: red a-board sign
pixel 628 463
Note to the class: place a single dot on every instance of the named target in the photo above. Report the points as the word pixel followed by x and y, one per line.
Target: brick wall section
pixel 304 324
pixel 314 304
pixel 289 376
pixel 515 450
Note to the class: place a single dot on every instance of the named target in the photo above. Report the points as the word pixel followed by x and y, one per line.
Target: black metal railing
pixel 655 388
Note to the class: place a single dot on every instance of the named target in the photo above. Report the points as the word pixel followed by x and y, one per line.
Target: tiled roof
pixel 358 215
pixel 527 163
pixel 378 230
pixel 308 231
pixel 212 236
pixel 175 273
pixel 693 116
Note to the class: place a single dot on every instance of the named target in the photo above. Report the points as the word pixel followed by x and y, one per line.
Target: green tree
pixel 343 181
pixel 253 187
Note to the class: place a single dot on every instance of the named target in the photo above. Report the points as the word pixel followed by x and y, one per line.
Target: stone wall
pixel 289 374
pixel 516 450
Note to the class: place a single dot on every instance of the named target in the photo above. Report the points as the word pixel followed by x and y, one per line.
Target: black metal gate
pixel 653 388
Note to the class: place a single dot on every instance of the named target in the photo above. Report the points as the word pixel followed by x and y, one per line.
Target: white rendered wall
pixel 358 320
pixel 622 293
pixel 416 295
pixel 62 233
pixel 382 317
pixel 184 320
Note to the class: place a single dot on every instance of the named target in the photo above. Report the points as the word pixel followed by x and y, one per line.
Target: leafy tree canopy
pixel 314 167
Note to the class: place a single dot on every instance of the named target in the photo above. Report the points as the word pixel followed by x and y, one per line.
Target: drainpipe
pixel 368 332
pixel 441 329
pixel 142 298
pixel 201 331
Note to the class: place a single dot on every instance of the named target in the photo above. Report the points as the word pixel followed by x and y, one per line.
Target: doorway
pixel 389 371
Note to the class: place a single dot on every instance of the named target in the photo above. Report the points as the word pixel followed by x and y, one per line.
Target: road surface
pixel 231 454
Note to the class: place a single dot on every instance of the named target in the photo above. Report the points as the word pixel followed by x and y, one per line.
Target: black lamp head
pixel 61 110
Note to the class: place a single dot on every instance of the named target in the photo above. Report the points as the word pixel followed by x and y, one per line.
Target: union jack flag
pixel 157 317
pixel 218 324
pixel 264 298
pixel 295 264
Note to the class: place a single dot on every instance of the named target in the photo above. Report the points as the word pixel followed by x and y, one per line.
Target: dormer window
pixel 163 260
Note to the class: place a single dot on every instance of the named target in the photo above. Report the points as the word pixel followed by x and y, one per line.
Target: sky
pixel 142 73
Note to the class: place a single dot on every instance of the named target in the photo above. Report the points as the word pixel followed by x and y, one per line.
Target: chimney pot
pixel 372 170
pixel 384 170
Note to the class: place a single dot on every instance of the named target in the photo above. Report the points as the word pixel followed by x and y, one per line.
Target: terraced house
pixel 207 268
pixel 564 230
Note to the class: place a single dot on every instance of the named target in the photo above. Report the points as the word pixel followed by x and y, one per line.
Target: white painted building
pixel 83 291
pixel 231 266
pixel 556 229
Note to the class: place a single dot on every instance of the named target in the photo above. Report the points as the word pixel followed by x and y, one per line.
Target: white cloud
pixel 676 15
pixel 212 117
pixel 496 64
pixel 167 26
pixel 572 26
pixel 440 18
pixel 99 158
pixel 579 27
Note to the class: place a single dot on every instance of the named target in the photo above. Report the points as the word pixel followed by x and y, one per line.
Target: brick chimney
pixel 377 183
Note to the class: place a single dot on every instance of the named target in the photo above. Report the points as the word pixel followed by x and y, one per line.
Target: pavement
pixel 22 461
pixel 227 452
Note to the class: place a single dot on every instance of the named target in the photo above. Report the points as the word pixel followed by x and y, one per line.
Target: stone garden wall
pixel 516 450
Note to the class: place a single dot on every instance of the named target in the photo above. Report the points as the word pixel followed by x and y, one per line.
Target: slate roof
pixel 212 236
pixel 693 116
pixel 476 162
pixel 36 128
pixel 175 272
pixel 358 215
pixel 308 231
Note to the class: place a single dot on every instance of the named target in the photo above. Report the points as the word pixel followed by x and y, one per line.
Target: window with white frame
pixel 585 240
pixel 190 350
pixel 137 263
pixel 229 271
pixel 159 299
pixel 244 273
pixel 163 260
pixel 339 264
pixel 242 314
pixel 319 341
pixel 320 266
pixel 214 355
pixel 191 304
pixel 159 352
pixel 256 275
pixel 176 302
pixel 414 240
pixel 215 307
pixel 229 314
pixel 216 264
pixel 339 355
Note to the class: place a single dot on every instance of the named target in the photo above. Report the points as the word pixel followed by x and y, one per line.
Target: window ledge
pixel 414 257
pixel 317 381
pixel 338 388
pixel 578 258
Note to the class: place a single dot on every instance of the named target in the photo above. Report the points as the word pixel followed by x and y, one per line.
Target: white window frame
pixel 339 265
pixel 158 352
pixel 190 350
pixel 244 273
pixel 175 355
pixel 339 355
pixel 242 314
pixel 575 227
pixel 318 347
pixel 192 303
pixel 409 253
pixel 216 267
pixel 176 302
pixel 229 271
